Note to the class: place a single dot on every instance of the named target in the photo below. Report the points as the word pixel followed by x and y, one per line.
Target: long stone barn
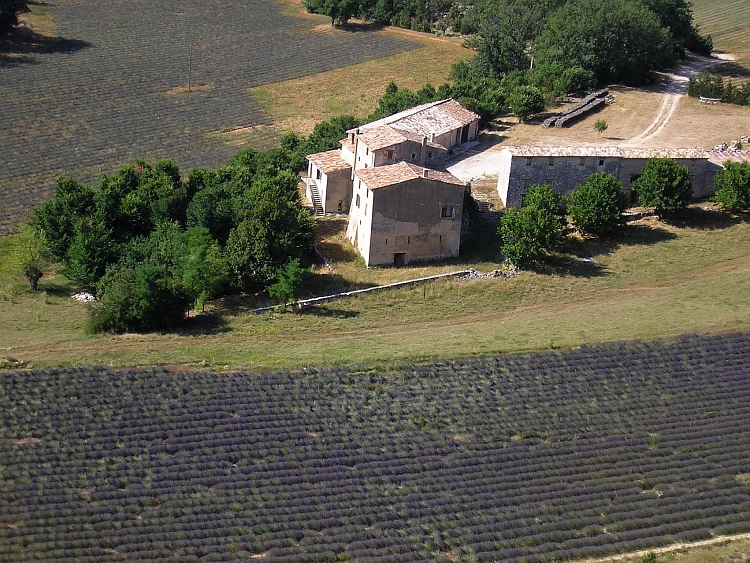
pixel 564 168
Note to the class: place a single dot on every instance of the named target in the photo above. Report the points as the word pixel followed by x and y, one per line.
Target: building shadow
pixel 18 47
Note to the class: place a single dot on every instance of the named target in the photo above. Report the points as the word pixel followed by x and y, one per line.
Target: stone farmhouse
pixel 564 168
pixel 388 176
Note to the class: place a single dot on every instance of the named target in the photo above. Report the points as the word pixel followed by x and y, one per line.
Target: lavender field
pixel 107 90
pixel 542 457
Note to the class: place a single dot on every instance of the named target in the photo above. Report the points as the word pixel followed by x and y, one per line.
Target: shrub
pixel 664 185
pixel 534 228
pixel 596 207
pixel 138 300
pixel 733 185
pixel 525 101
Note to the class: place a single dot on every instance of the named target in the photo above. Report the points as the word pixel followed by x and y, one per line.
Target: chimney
pixel 432 137
pixel 423 150
pixel 425 173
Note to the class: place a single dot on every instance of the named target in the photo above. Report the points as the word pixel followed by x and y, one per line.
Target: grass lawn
pixel 656 281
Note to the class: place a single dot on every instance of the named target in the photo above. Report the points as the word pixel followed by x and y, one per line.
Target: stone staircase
pixel 487 211
pixel 317 205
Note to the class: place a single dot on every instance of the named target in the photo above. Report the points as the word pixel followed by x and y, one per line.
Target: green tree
pixel 9 12
pixel 525 101
pixel 89 254
pixel 57 217
pixel 289 281
pixel 617 40
pixel 273 232
pixel 601 126
pixel 138 300
pixel 596 207
pixel 200 265
pixel 28 256
pixel 340 11
pixel 664 185
pixel 733 186
pixel 534 228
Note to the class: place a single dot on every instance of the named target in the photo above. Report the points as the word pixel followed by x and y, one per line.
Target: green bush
pixel 534 228
pixel 138 300
pixel 596 207
pixel 664 185
pixel 733 186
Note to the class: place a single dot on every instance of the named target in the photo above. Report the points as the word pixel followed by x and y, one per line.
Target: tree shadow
pixel 629 235
pixel 16 49
pixel 729 69
pixel 706 219
pixel 210 323
pixel 327 312
pixel 567 265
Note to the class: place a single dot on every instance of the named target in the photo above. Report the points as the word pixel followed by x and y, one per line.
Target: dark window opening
pixel 551 161
pixel 318 175
pixel 446 212
pixel 601 162
pixel 528 161
pixel 357 203
pixel 390 155
pixel 399 259
pixel 582 162
pixel 414 156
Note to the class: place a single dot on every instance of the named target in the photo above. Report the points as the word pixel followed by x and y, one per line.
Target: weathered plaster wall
pixel 336 188
pixel 407 218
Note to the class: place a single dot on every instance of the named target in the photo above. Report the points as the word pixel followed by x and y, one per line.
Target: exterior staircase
pixel 487 212
pixel 317 205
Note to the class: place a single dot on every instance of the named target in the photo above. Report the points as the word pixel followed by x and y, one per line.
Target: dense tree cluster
pixel 559 47
pixel 150 243
pixel 709 86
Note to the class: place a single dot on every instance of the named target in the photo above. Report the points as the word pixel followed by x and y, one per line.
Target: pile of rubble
pixel 84 297
pixel 735 145
pixel 472 274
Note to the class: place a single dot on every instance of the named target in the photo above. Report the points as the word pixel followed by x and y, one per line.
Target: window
pixel 528 161
pixel 365 209
pixel 551 161
pixel 446 212
pixel 601 162
pixel 367 150
pixel 357 202
pixel 390 155
pixel 318 175
pixel 414 156
pixel 582 161
pixel 429 155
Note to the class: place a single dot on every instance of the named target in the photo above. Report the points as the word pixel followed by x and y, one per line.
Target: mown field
pixel 728 22
pixel 112 86
pixel 544 457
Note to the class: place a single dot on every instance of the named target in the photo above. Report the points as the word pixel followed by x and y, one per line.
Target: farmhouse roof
pixel 605 152
pixel 329 161
pixel 384 176
pixel 386 136
pixel 426 119
pixel 720 157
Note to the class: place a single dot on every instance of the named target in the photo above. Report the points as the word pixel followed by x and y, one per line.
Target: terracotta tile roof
pixel 663 153
pixel 720 157
pixel 605 152
pixel 434 117
pixel 380 137
pixel 437 119
pixel 383 176
pixel 329 161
